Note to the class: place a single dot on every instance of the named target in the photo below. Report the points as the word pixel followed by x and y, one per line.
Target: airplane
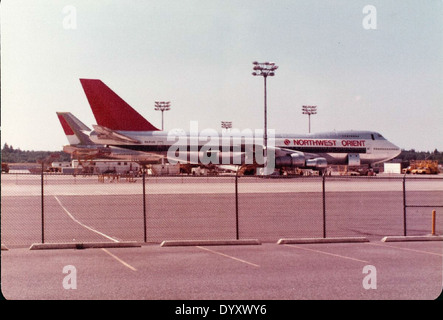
pixel 83 148
pixel 120 125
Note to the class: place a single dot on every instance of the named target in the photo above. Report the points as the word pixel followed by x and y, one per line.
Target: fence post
pixel 404 205
pixel 144 207
pixel 324 205
pixel 236 205
pixel 433 223
pixel 43 205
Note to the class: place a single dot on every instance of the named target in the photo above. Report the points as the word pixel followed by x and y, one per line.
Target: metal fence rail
pixel 436 204
pixel 62 208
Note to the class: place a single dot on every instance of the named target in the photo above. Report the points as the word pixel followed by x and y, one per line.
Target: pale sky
pixel 198 54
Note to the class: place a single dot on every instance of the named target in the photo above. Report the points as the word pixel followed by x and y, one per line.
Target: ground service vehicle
pixel 422 167
pixel 5 167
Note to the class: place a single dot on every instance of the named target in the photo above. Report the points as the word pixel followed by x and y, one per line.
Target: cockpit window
pixel 379 136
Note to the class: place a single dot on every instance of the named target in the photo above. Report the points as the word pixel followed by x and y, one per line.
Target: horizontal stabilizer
pixel 106 133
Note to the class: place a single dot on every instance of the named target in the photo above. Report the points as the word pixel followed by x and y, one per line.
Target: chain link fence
pixel 65 208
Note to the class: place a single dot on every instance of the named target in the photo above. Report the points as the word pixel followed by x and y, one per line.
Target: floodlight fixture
pixel 226 125
pixel 309 110
pixel 162 106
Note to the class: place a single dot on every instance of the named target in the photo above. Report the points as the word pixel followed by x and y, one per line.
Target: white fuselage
pixel 342 147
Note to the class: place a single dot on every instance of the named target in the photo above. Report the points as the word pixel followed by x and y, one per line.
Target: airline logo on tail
pixel 80 145
pixel 74 129
pixel 111 111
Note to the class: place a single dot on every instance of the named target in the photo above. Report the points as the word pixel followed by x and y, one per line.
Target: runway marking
pixel 120 260
pixel 328 253
pixel 228 256
pixel 83 225
pixel 408 249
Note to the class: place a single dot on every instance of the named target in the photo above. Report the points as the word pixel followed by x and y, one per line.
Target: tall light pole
pixel 162 106
pixel 309 110
pixel 265 69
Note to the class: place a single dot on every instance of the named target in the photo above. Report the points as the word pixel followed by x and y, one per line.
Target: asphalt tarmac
pixel 398 271
pixel 83 209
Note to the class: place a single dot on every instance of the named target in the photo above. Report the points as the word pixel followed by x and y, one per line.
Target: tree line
pixel 11 155
pixel 408 155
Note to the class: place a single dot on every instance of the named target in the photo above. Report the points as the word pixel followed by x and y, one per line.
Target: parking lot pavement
pixel 372 270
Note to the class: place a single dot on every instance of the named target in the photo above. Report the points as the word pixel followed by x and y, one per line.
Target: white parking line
pixel 228 256
pixel 120 260
pixel 324 252
pixel 408 249
pixel 83 225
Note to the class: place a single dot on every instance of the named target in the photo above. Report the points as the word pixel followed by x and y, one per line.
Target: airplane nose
pixel 396 150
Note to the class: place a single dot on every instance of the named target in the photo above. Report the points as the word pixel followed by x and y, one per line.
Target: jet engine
pixel 291 160
pixel 319 163
pixel 297 160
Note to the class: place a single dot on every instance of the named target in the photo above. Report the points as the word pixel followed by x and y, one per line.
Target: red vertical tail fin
pixel 111 111
pixel 74 129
